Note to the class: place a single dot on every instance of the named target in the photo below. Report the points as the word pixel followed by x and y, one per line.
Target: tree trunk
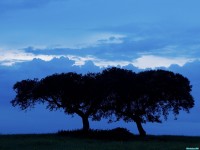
pixel 86 125
pixel 85 121
pixel 140 128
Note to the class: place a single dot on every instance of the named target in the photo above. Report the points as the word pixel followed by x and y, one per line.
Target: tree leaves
pixel 147 96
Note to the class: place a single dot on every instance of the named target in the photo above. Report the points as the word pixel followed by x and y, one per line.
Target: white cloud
pixel 106 63
pixel 148 61
pixel 10 57
pixel 151 61
pixel 79 60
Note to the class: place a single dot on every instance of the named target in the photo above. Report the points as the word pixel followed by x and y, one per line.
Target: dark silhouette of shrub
pixel 121 134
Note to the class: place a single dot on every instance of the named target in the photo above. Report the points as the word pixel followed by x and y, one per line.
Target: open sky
pixel 42 37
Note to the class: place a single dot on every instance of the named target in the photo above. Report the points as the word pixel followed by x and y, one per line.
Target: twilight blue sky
pixel 42 37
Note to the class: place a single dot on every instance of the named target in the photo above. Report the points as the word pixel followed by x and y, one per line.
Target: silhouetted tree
pixel 146 96
pixel 24 90
pixel 75 93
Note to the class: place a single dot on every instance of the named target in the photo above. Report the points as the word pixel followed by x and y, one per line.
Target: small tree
pixel 75 93
pixel 146 96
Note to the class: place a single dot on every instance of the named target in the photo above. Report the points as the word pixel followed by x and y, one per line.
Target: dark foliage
pixel 144 97
pixel 120 134
pixel 75 93
pixel 25 97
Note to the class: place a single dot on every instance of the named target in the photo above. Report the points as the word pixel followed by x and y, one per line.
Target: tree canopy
pixel 142 97
pixel 147 96
pixel 72 92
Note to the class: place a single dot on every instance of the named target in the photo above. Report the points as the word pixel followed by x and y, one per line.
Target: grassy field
pixel 57 142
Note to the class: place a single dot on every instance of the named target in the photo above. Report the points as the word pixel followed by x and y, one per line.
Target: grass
pixel 68 142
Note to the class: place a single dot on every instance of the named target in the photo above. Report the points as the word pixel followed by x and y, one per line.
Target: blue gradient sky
pixel 38 38
pixel 128 31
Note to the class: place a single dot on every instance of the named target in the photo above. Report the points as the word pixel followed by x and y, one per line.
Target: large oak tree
pixel 147 96
pixel 75 93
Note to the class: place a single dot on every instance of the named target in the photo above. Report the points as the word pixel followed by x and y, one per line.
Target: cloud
pixel 128 45
pixel 142 46
pixel 150 61
pixel 102 34
pixel 98 39
pixel 173 38
pixel 123 54
pixel 102 63
pixel 106 46
pixel 116 43
pixel 80 57
pixel 11 57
